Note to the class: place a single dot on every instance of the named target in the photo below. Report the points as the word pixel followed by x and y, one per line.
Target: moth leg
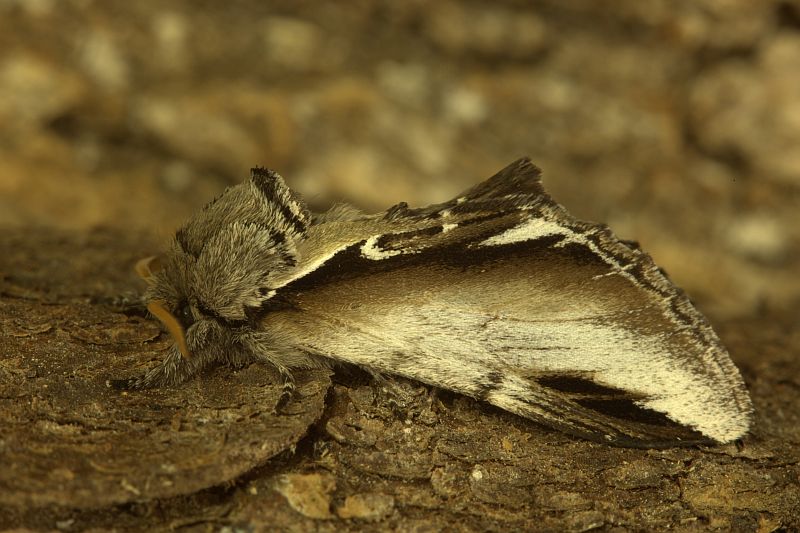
pixel 264 348
pixel 386 386
pixel 238 359
pixel 288 387
pixel 384 383
pixel 173 370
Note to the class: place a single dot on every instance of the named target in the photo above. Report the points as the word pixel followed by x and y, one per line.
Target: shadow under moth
pixel 498 294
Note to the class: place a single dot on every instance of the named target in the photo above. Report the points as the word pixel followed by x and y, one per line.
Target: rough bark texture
pixel 674 121
pixel 213 453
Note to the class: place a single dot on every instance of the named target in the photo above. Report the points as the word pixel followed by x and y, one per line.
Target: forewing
pixel 524 307
pixel 401 230
pixel 545 331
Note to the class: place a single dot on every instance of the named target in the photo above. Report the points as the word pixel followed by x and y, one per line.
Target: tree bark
pixel 344 455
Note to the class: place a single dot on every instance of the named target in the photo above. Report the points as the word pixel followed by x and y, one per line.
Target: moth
pixel 498 294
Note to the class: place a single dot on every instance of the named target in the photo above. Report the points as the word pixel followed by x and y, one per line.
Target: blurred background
pixel 677 122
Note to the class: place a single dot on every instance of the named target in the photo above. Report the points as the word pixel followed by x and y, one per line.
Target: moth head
pixel 224 263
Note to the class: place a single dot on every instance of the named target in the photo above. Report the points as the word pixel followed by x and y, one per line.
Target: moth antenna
pixel 172 371
pixel 157 308
pixel 148 267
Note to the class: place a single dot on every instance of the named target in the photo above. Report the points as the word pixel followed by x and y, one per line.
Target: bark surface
pixel 342 456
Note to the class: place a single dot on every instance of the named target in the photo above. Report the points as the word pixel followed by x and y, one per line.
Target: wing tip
pixel 521 170
pixel 525 165
pixel 520 177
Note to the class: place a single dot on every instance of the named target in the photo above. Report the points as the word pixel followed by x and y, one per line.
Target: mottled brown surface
pixel 76 454
pixel 674 121
pixel 71 440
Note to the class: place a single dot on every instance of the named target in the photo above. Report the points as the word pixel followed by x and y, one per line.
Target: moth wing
pixel 519 179
pixel 535 333
pixel 520 305
pixel 401 230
